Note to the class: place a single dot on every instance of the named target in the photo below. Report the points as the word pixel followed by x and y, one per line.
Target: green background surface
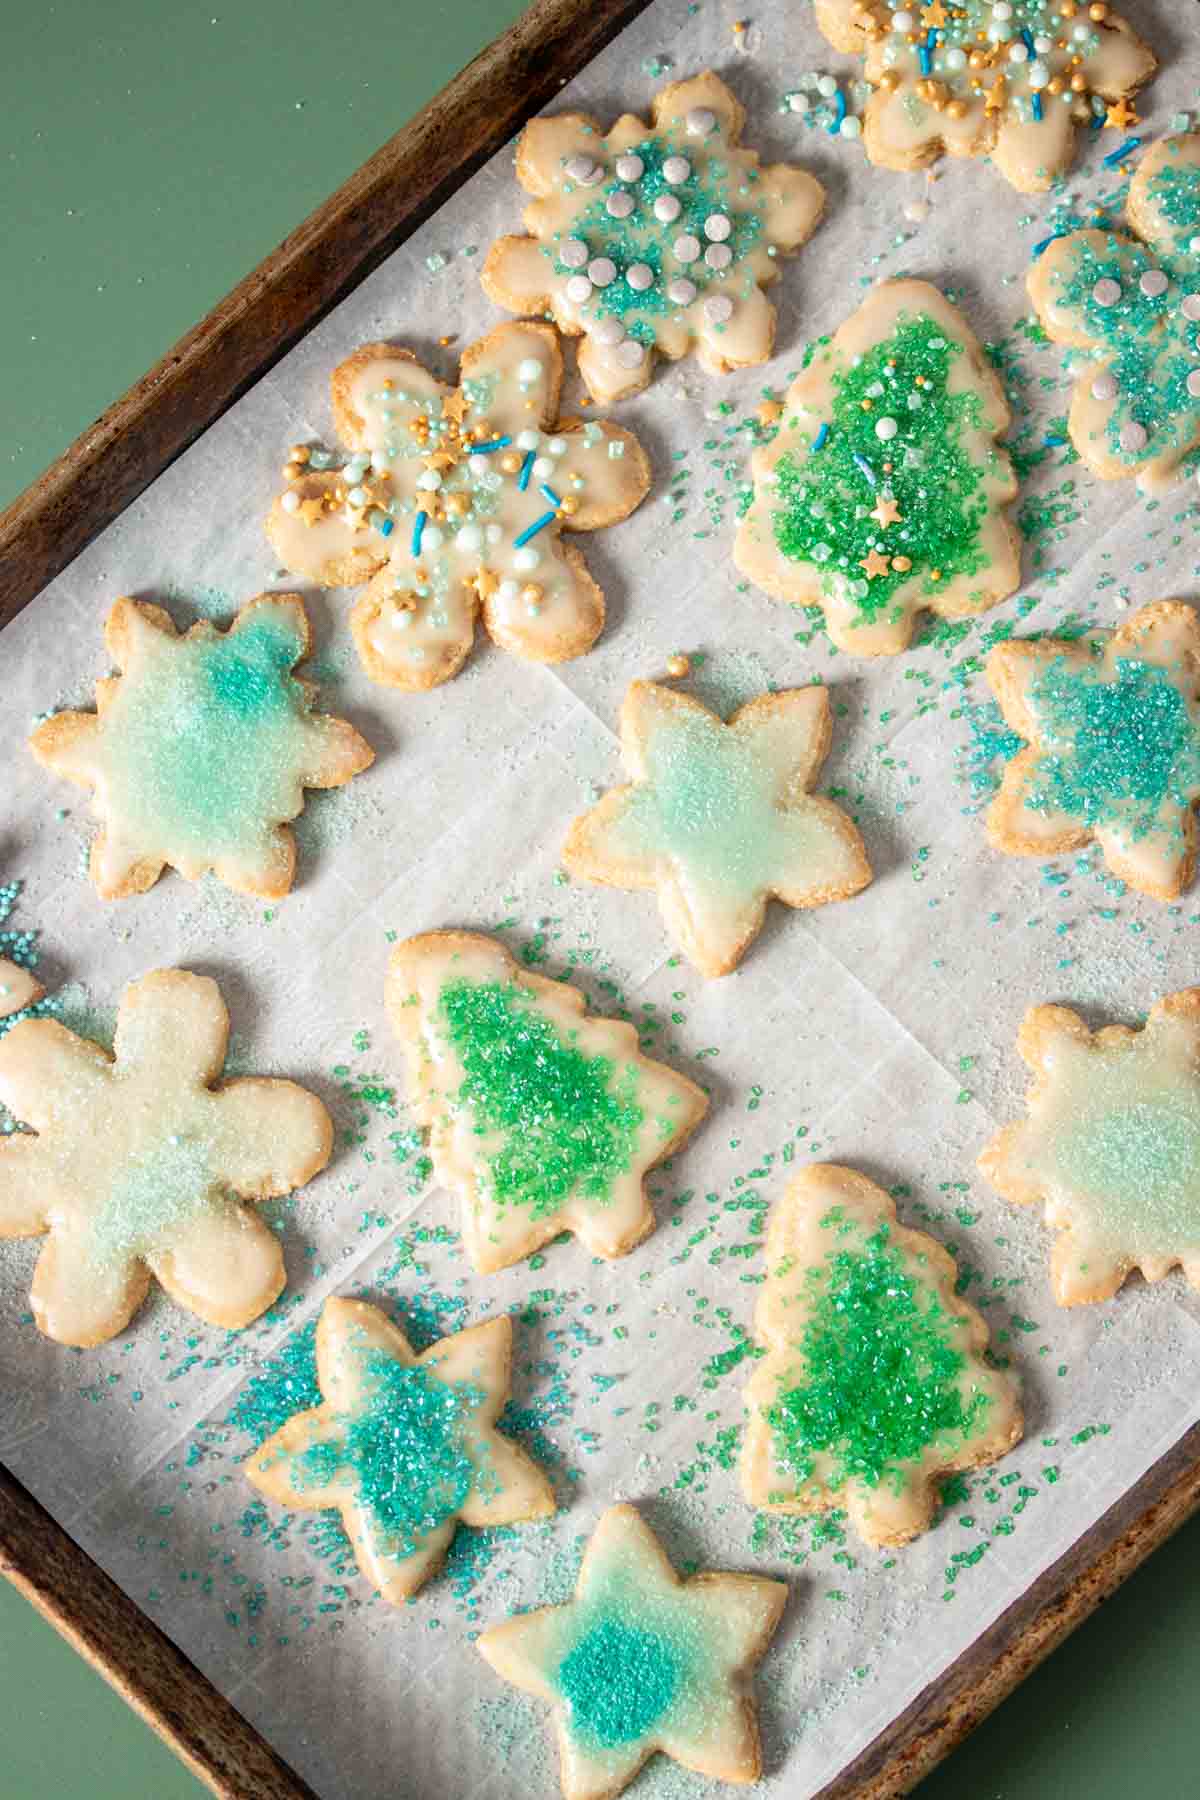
pixel 153 152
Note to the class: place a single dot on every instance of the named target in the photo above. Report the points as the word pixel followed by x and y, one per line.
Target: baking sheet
pixel 879 1032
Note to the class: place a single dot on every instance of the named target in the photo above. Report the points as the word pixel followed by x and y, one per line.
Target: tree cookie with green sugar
pixel 1113 753
pixel 653 237
pixel 640 1661
pixel 875 1384
pixel 883 492
pixel 719 818
pixel 403 1446
pixel 541 1118
pixel 136 1164
pixel 200 750
pixel 1111 1144
pixel 1135 306
pixel 453 501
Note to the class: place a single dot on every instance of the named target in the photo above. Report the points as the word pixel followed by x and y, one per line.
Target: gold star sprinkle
pixel 886 512
pixel 874 565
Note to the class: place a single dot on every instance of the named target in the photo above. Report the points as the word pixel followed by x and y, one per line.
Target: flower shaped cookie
pixel 1111 1143
pixel 640 1661
pixel 201 748
pixel 455 499
pixel 718 818
pixel 973 78
pixel 653 237
pixel 404 1446
pixel 1113 724
pixel 137 1158
pixel 1135 306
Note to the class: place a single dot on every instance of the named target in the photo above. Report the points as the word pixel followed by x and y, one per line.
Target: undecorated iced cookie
pixel 874 1386
pixel 541 1118
pixel 883 491
pixel 1013 81
pixel 1135 409
pixel 1111 1143
pixel 455 499
pixel 404 1446
pixel 140 1163
pixel 640 1661
pixel 201 748
pixel 1113 754
pixel 719 818
pixel 654 237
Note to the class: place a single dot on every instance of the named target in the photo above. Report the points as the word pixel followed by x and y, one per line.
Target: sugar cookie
pixel 455 499
pixel 718 818
pixel 541 1118
pixel 641 1661
pixel 404 1446
pixel 138 1157
pixel 883 491
pixel 653 238
pixel 874 1386
pixel 19 988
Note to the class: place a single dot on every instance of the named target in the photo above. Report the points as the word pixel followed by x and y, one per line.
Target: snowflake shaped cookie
pixel 201 748
pixel 542 1118
pixel 404 1446
pixel 874 1386
pixel 719 818
pixel 139 1163
pixel 883 491
pixel 455 500
pixel 653 238
pixel 1113 724
pixel 1013 81
pixel 1135 409
pixel 1111 1143
pixel 640 1661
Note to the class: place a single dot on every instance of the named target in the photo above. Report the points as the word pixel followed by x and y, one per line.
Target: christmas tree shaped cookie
pixel 640 1661
pixel 1111 1143
pixel 883 491
pixel 404 1446
pixel 455 499
pixel 1135 409
pixel 719 818
pixel 541 1119
pixel 1113 723
pixel 875 1384
pixel 653 238
pixel 201 749
pixel 140 1163
pixel 969 78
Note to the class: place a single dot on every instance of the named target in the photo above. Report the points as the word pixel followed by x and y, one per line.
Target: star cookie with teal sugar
pixel 719 819
pixel 1112 724
pixel 1135 307
pixel 137 1163
pixel 875 1385
pixel 641 1661
pixel 201 748
pixel 405 1447
pixel 1111 1144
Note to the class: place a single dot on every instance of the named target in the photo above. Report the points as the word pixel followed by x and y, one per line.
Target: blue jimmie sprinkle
pixel 486 449
pixel 526 469
pixel 419 524
pixel 819 441
pixel 925 57
pixel 1037 106
pixel 530 531
pixel 385 526
pixel 1040 249
pixel 1121 151
pixel 864 467
pixel 548 491
pixel 1027 39
pixel 839 113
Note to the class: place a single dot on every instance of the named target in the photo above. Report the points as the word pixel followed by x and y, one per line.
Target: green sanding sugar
pixel 618 1681
pixel 880 1375
pixel 1175 191
pixel 568 1122
pixel 153 1195
pixel 286 1384
pixel 1138 1161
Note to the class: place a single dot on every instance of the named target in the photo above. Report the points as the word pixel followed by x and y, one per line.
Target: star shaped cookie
pixel 1135 408
pixel 1113 723
pixel 201 749
pixel 454 501
pixel 653 237
pixel 1111 1144
pixel 404 1446
pixel 541 1118
pixel 718 818
pixel 140 1163
pixel 640 1661
pixel 875 1386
